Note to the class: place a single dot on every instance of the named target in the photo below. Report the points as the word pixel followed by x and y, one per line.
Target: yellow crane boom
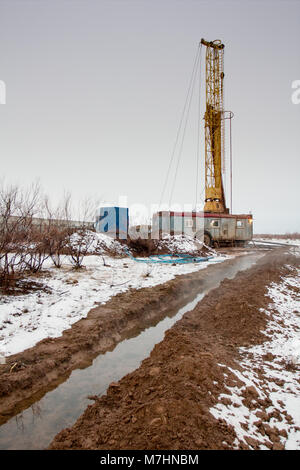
pixel 214 127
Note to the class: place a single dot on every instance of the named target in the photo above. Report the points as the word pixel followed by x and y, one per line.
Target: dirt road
pixel 166 402
pixel 27 376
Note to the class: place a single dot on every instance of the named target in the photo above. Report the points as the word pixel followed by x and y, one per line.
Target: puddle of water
pixel 35 427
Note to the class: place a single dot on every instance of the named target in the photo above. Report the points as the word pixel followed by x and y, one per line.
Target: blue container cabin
pixel 113 221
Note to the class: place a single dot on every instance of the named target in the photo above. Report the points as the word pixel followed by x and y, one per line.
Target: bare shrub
pixel 17 209
pixel 31 231
pixel 36 251
pixel 58 223
pixel 56 241
pixel 79 244
pixel 81 238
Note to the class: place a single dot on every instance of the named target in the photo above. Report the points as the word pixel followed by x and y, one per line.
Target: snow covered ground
pixel 285 241
pixel 27 319
pixel 272 381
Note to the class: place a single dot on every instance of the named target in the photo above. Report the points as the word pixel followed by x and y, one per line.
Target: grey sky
pixel 95 91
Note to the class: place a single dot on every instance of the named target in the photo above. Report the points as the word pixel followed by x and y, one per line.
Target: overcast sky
pixel 95 91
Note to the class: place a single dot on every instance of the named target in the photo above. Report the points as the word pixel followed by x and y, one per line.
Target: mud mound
pixel 142 247
pixel 169 244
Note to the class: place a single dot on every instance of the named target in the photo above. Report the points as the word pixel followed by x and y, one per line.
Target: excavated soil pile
pixel 165 403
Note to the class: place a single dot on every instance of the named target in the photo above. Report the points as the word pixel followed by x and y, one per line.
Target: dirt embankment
pixel 165 403
pixel 27 376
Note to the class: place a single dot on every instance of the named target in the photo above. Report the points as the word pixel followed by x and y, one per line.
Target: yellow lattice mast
pixel 214 127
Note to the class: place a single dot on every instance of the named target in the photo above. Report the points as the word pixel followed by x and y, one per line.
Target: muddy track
pixel 165 403
pixel 27 376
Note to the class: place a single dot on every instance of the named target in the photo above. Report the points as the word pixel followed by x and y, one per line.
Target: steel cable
pixel 180 124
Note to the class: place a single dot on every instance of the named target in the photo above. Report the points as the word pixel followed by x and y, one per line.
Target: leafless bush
pixel 36 248
pixel 58 229
pixel 56 242
pixel 79 245
pixel 79 239
pixel 63 234
pixel 31 231
pixel 17 209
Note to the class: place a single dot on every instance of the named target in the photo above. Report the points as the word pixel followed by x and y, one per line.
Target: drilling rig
pixel 219 225
pixel 214 128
